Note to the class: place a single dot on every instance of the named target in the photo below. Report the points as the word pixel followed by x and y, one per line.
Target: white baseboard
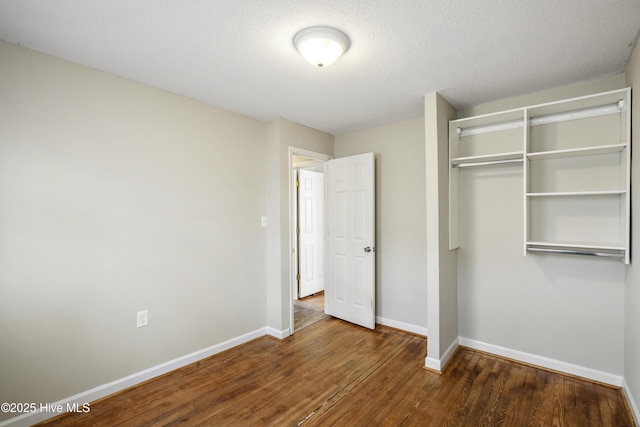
pixel 131 380
pixel 449 352
pixel 545 362
pixel 415 329
pixel 436 364
pixel 278 334
pixel 631 401
pixel 433 364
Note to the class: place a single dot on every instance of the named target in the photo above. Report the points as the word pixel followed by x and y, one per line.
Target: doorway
pixel 350 215
pixel 307 236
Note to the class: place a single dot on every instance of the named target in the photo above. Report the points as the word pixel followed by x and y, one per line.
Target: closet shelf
pixel 591 138
pixel 577 193
pixel 575 152
pixel 599 250
pixel 514 156
pixel 617 254
pixel 568 245
pixel 542 114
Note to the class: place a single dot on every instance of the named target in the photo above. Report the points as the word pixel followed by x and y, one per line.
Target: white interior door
pixel 311 232
pixel 350 238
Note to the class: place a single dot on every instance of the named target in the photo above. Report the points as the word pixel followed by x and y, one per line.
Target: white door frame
pixel 295 151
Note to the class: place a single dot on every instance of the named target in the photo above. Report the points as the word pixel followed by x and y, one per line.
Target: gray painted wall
pixel 117 197
pixel 401 286
pixel 282 134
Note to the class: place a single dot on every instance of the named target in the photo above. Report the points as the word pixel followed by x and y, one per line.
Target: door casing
pixel 312 155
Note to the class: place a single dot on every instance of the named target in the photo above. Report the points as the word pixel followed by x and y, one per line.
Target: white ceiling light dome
pixel 321 46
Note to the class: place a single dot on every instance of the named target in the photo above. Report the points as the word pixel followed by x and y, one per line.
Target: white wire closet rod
pixel 545 120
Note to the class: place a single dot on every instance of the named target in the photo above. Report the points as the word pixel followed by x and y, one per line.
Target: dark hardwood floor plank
pixel 496 379
pixel 479 371
pixel 458 381
pixel 511 402
pixel 539 382
pixel 577 405
pixel 368 400
pixel 529 397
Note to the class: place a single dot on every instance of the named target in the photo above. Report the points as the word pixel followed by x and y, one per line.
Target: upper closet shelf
pixel 542 114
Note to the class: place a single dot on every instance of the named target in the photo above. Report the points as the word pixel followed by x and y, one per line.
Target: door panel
pixel 350 278
pixel 311 237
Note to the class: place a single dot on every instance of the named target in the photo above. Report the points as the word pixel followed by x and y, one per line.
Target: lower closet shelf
pixel 607 251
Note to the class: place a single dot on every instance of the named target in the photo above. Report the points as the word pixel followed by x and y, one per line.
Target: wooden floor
pixel 308 310
pixel 334 373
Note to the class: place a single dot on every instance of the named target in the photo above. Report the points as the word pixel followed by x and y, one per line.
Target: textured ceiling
pixel 238 55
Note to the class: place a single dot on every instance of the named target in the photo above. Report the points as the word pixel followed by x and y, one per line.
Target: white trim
pixel 432 363
pixel 133 379
pixel 440 364
pixel 545 362
pixel 449 352
pixel 278 334
pixel 414 329
pixel 630 400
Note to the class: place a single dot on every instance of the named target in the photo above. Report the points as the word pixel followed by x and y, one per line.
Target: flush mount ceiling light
pixel 321 46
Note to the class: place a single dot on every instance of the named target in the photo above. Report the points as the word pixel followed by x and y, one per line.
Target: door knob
pixel 367 249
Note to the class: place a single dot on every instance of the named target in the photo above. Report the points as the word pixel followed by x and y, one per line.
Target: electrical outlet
pixel 142 318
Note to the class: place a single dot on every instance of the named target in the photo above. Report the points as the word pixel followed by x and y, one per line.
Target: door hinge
pixel 298 230
pixel 297 183
pixel 298 277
